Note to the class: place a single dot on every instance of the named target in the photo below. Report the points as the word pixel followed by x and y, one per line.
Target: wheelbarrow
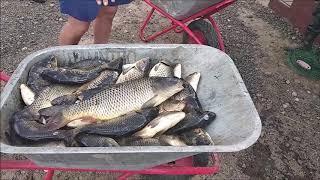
pixel 193 13
pixel 221 90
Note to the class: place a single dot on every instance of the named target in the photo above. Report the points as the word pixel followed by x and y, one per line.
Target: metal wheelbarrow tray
pixel 221 90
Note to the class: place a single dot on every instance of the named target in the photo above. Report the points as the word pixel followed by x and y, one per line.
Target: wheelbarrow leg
pixel 217 29
pixel 49 174
pixel 124 176
pixel 145 23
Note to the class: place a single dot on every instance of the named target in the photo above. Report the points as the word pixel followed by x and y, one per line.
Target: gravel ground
pixel 288 104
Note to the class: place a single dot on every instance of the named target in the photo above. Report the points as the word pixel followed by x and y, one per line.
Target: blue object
pixel 85 10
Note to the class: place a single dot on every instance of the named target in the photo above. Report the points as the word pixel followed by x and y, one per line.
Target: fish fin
pixel 55 122
pixel 51 111
pixel 87 94
pixel 64 100
pixel 177 71
pixel 154 101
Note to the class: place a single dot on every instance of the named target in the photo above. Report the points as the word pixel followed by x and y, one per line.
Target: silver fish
pixel 49 93
pixel 118 100
pixel 134 71
pixel 27 94
pixel 162 69
pixel 160 124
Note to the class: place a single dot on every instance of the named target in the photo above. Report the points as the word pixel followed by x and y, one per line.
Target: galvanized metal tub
pixel 221 90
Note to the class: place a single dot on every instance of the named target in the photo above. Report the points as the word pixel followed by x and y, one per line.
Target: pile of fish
pixel 98 103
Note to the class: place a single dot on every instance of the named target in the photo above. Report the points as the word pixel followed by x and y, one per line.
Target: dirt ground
pixel 288 104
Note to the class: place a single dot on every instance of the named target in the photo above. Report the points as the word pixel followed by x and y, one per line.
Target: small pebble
pixel 229 26
pixel 228 20
pixel 244 166
pixel 294 93
pixel 297 139
pixel 24 48
pixel 287 81
pixel 20 21
pixel 268 73
pixel 309 92
pixel 287 144
pixel 60 19
pixel 51 4
pixel 285 105
pixel 296 99
pixel 259 95
pixel 297 81
pixel 293 38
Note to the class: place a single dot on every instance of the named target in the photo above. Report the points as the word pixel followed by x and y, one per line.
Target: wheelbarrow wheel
pixel 204 32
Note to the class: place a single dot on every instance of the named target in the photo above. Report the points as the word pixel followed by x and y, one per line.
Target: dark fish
pixel 25 125
pixel 193 120
pixel 141 142
pixel 123 125
pixel 77 76
pixel 188 91
pixel 105 79
pixel 171 140
pixel 35 80
pixel 192 105
pixel 190 97
pixel 118 100
pixel 87 64
pixel 196 137
pixel 91 140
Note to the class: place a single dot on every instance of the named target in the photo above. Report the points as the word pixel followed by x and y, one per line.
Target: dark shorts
pixel 85 10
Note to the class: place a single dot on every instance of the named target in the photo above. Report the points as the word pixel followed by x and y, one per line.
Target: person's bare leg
pixel 72 31
pixel 103 24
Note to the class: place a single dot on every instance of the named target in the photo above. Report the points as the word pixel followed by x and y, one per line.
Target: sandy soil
pixel 288 104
